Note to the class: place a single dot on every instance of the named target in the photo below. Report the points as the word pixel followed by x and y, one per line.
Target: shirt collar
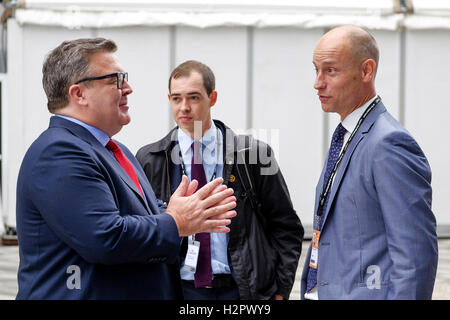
pixel 209 139
pixel 352 119
pixel 101 136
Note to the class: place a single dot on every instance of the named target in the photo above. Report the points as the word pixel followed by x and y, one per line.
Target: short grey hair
pixel 67 64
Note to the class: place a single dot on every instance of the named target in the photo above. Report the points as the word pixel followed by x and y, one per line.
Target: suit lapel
pixel 357 140
pixel 85 135
pixel 124 176
pixel 319 187
pixel 146 188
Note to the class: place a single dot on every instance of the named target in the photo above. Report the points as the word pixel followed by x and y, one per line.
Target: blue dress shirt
pixel 97 133
pixel 212 157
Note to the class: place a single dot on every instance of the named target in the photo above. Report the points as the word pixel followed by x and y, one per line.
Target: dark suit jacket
pixel 84 230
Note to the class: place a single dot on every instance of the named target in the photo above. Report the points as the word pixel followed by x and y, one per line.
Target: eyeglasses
pixel 120 76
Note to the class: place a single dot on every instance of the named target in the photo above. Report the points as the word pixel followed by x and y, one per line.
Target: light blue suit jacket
pixel 378 239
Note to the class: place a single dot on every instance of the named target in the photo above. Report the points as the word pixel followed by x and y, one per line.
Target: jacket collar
pixel 231 145
pixel 75 129
pixel 168 142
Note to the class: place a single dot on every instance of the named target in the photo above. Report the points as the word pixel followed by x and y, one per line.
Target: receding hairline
pixel 360 43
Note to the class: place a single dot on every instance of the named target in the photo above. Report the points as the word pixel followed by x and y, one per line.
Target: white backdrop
pixel 265 80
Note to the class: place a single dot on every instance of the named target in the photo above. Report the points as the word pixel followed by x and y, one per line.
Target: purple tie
pixel 203 274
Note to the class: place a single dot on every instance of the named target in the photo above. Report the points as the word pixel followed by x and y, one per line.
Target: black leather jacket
pixel 261 265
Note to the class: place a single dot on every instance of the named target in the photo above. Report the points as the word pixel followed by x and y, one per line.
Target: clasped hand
pixel 210 209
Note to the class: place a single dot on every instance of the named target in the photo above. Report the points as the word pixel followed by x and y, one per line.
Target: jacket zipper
pixel 168 175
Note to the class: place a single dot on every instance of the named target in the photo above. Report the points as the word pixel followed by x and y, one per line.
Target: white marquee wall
pixel 265 81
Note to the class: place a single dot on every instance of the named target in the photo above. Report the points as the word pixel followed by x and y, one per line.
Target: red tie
pixel 124 163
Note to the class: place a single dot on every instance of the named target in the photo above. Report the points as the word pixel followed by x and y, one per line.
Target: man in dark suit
pixel 89 224
pixel 374 231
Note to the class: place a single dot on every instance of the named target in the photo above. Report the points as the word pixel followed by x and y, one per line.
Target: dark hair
pixel 185 69
pixel 68 63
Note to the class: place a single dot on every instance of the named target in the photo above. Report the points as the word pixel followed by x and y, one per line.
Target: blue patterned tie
pixel 333 154
pixel 203 273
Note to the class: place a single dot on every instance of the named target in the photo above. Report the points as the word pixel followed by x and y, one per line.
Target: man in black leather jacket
pixel 259 257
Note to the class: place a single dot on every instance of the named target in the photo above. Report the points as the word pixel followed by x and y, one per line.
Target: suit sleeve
pixel 283 223
pixel 402 179
pixel 74 194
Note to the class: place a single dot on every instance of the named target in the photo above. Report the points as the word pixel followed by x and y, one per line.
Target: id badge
pixel 192 255
pixel 313 260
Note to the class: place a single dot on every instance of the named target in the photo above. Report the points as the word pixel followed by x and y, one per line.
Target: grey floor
pixel 9 260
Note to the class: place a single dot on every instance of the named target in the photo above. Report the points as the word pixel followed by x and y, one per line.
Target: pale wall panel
pixel 285 100
pixel 387 81
pixel 224 50
pixel 37 43
pixel 144 53
pixel 27 114
pixel 427 108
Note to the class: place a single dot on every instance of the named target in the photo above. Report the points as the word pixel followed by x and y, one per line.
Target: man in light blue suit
pixel 374 231
pixel 88 222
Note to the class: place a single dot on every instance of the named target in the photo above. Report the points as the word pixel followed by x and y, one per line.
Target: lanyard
pixel 327 187
pixel 183 167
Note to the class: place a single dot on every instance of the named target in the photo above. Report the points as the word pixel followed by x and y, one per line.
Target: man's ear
pixel 213 98
pixel 368 70
pixel 76 94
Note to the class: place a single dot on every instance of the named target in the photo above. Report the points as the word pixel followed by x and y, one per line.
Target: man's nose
pixel 320 82
pixel 185 105
pixel 126 89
